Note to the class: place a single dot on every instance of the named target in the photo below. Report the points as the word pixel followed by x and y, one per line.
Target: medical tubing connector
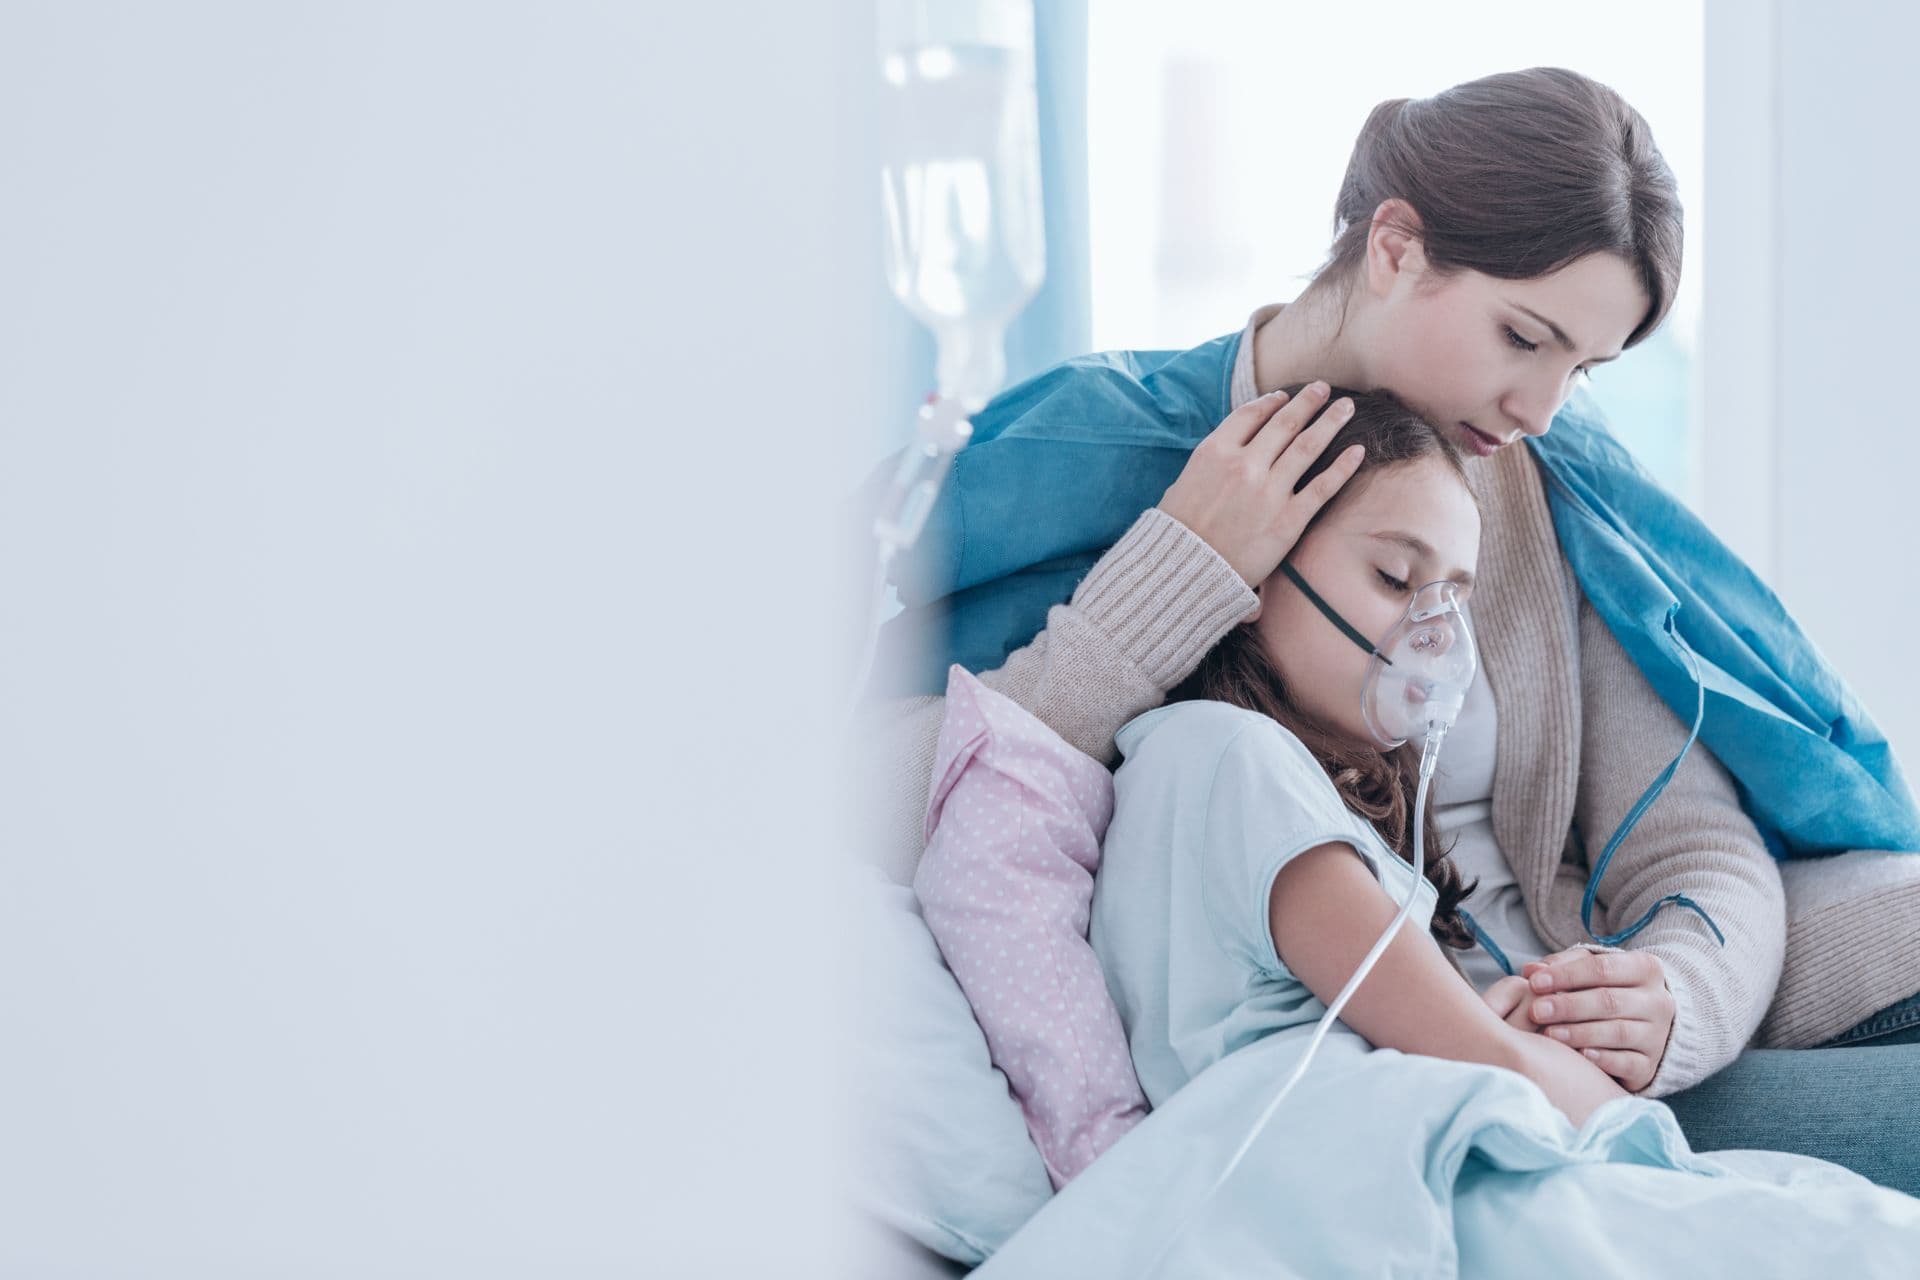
pixel 943 431
pixel 1429 757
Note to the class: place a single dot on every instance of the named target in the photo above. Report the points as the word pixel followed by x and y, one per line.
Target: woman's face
pixel 1408 525
pixel 1491 360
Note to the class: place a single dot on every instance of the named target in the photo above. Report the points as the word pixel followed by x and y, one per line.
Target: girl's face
pixel 1408 525
pixel 1491 360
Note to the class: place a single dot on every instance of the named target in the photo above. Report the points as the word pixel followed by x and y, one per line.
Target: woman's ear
pixel 1394 250
pixel 1259 603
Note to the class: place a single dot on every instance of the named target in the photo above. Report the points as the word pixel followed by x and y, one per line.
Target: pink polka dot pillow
pixel 1014 823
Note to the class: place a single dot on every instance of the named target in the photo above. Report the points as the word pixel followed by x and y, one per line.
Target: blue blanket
pixel 1443 1169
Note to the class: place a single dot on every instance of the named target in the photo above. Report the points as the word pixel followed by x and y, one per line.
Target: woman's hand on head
pixel 1236 491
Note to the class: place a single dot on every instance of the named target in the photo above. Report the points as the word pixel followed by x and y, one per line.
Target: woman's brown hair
pixel 1378 786
pixel 1515 176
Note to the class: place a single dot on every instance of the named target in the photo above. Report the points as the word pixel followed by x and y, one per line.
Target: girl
pixel 1265 753
pixel 1496 243
pixel 1260 843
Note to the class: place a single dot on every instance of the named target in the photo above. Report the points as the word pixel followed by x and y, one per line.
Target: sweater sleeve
pixel 1694 840
pixel 1137 625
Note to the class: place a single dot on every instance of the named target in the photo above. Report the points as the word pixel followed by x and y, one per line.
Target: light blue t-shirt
pixel 1211 802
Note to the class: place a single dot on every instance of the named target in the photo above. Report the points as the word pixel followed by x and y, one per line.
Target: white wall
pixel 1811 325
pixel 413 434
pixel 1739 369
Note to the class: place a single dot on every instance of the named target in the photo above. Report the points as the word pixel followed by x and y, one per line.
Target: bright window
pixel 1219 131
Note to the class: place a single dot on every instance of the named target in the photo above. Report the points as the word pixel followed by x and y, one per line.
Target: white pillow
pixel 944 1154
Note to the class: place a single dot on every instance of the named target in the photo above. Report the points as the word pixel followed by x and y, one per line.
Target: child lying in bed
pixel 1289 829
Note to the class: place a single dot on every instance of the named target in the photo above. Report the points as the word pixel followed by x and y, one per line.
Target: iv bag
pixel 960 178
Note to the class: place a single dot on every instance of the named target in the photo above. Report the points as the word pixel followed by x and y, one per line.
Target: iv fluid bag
pixel 960 178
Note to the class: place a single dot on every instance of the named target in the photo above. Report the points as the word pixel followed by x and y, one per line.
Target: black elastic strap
pixel 1346 628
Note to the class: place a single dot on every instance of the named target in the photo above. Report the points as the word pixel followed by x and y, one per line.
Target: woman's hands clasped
pixel 1236 491
pixel 1612 1006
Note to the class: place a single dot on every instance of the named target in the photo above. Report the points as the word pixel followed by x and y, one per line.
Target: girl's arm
pixel 1327 910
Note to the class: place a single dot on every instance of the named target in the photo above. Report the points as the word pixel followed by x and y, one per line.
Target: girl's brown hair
pixel 1515 176
pixel 1378 786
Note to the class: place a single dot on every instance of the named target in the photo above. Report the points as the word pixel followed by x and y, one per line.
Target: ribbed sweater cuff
pixel 1682 1066
pixel 1164 596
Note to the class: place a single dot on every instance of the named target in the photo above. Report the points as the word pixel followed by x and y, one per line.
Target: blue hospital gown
pixel 1379 1163
pixel 1212 801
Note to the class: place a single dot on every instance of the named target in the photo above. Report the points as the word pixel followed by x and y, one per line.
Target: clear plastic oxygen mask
pixel 1414 688
pixel 1420 674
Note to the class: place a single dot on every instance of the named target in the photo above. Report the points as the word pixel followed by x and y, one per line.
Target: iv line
pixel 1429 755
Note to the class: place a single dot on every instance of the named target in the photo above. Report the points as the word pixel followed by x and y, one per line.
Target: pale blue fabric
pixel 1379 1162
pixel 1062 464
pixel 1212 801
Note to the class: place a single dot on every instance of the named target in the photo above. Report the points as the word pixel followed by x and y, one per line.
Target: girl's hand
pixel 1236 491
pixel 1613 1006
pixel 1508 998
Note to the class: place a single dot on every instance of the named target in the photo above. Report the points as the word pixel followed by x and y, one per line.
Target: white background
pixel 414 654
pixel 1845 437
pixel 1219 133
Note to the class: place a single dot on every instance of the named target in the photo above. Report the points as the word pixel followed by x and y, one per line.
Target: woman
pixel 1480 314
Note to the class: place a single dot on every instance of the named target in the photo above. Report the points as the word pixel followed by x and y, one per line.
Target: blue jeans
pixel 1854 1100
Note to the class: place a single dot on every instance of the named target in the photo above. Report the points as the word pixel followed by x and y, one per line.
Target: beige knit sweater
pixel 1808 953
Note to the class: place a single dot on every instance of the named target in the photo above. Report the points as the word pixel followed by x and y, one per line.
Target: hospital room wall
pixel 419 424
pixel 1812 448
